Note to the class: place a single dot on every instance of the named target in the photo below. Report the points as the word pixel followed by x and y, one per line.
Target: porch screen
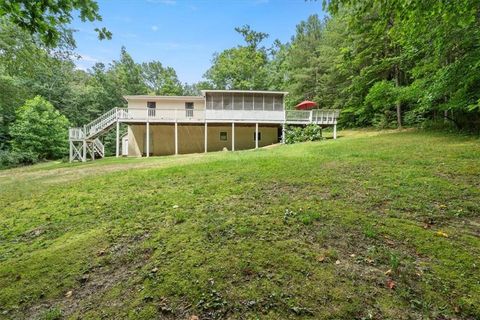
pixel 268 102
pixel 248 101
pixel 278 103
pixel 237 101
pixel 227 101
pixel 258 101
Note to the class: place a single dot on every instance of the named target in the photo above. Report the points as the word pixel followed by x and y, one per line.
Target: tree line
pixel 384 63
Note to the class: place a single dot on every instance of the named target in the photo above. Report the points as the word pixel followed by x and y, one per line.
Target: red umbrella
pixel 306 105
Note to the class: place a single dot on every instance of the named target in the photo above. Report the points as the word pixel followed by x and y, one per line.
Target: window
pixel 259 136
pixel 223 136
pixel 151 105
pixel 189 109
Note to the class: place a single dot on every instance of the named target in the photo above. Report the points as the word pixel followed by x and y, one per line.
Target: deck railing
pixel 76 134
pixel 106 120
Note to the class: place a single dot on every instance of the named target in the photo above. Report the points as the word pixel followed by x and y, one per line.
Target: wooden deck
pixel 86 138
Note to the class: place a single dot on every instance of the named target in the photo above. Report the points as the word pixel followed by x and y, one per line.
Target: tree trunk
pixel 399 103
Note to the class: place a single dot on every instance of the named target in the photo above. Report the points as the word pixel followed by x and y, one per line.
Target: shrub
pixel 311 132
pixel 9 159
pixel 40 129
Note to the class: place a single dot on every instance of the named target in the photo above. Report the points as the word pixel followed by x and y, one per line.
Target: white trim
pixel 244 91
pixel 150 98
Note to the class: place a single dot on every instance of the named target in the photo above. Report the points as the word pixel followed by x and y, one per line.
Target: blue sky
pixel 185 34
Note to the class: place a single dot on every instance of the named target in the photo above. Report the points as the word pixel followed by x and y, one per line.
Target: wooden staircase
pixel 85 140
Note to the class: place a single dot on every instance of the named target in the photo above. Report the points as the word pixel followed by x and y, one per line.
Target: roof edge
pixel 147 97
pixel 246 91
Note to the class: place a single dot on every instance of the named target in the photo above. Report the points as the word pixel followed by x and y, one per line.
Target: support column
pixel 117 151
pixel 176 138
pixel 283 133
pixel 256 135
pixel 71 152
pixel 148 139
pixel 206 136
pixel 334 131
pixel 84 150
pixel 233 136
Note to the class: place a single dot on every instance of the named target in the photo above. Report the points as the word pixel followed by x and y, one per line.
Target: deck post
pixel 206 129
pixel 148 138
pixel 71 152
pixel 283 133
pixel 233 136
pixel 117 150
pixel 84 150
pixel 334 131
pixel 256 135
pixel 176 138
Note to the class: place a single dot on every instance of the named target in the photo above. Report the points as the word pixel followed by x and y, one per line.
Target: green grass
pixel 309 231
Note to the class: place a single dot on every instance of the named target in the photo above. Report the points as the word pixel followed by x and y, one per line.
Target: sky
pixel 184 34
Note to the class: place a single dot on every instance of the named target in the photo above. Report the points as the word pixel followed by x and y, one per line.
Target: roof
pixel 152 97
pixel 245 91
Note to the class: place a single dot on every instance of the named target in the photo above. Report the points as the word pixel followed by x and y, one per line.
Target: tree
pixel 302 65
pixel 161 80
pixel 242 67
pixel 251 37
pixel 40 129
pixel 48 19
pixel 129 74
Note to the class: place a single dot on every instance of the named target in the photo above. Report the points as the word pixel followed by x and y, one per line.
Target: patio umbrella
pixel 306 105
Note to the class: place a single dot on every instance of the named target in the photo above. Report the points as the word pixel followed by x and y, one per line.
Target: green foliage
pixel 48 20
pixel 161 80
pixel 242 67
pixel 298 231
pixel 294 134
pixel 40 129
pixel 9 159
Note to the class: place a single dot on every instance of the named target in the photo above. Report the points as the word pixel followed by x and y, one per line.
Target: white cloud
pixel 154 28
pixel 87 58
pixel 85 62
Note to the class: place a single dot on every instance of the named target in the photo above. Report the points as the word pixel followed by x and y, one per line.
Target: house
pixel 216 120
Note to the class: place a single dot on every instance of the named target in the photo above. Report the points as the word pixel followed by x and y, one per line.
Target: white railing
pixel 99 147
pixel 143 114
pixel 106 120
pixel 325 116
pixel 298 115
pixel 101 123
pixel 245 115
pixel 75 134
pixel 315 116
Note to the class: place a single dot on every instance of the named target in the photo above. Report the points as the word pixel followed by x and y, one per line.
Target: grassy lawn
pixel 372 225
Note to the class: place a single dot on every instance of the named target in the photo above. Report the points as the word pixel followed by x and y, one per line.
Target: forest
pixel 383 63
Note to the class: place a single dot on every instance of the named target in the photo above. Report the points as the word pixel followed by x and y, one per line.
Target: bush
pixel 10 159
pixel 40 129
pixel 311 132
pixel 385 120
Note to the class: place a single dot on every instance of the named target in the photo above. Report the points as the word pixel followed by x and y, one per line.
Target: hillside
pixel 372 225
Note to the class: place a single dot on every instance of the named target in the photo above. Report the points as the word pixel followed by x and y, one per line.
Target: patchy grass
pixel 373 225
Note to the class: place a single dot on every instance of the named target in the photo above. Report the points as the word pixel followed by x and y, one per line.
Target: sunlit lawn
pixel 381 225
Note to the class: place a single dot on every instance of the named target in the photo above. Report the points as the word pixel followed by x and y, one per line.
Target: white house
pixel 215 120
